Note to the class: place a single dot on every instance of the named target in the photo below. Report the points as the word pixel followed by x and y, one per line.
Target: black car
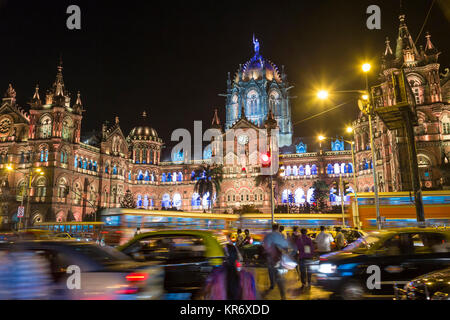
pixel 431 286
pixel 371 266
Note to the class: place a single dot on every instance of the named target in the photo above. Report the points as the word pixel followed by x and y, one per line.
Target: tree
pixel 321 193
pixel 209 178
pixel 128 200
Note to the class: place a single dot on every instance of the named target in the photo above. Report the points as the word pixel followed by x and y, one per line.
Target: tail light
pixel 238 265
pixel 136 277
pixel 323 259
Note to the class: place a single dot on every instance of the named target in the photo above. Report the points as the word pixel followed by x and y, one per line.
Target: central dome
pixel 256 67
pixel 143 131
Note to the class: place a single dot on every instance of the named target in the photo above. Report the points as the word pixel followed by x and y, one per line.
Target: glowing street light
pixel 366 67
pixel 349 129
pixel 321 138
pixel 322 94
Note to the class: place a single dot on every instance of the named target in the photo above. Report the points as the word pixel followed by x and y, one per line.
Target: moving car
pixel 431 286
pixel 46 269
pixel 398 255
pixel 188 256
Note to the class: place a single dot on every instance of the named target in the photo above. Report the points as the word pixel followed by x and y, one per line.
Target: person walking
pixel 293 239
pixel 230 282
pixel 323 241
pixel 283 232
pixel 240 237
pixel 340 239
pixel 247 238
pixel 274 244
pixel 305 255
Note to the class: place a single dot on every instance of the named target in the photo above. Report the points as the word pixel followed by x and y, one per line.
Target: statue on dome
pixel 256 45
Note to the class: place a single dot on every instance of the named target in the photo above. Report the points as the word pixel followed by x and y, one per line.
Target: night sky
pixel 171 58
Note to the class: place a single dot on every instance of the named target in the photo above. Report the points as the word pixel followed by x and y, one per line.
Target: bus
pixel 397 209
pixel 120 225
pixel 77 229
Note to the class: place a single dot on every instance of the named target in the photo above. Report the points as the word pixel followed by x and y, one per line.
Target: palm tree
pixel 321 192
pixel 209 179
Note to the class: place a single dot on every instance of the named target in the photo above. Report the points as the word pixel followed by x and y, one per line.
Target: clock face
pixel 243 139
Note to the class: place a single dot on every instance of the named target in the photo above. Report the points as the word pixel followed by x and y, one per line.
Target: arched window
pixel 165 203
pixel 163 177
pixel 44 155
pixel 350 168
pixel 299 196
pixel 90 165
pixel 337 168
pixel 129 175
pixel 180 176
pixel 314 170
pixel 177 200
pixel 63 189
pixel 301 171
pixel 139 203
pixel 295 171
pixel 288 170
pixel 95 166
pixel 330 169
pixel 75 162
pixel 286 196
pixel 152 177
pixel 343 168
pixel 206 201
pixel 107 168
pixel 147 176
pixel 445 122
pixel 41 185
pixel 365 165
pixel 169 177
pixel 76 193
pixel 45 130
pixel 252 103
pixel 196 201
pixel 307 170
pixel 115 169
pixel 146 203
pixel 310 195
pixel 67 129
pixel 22 157
pixel 140 176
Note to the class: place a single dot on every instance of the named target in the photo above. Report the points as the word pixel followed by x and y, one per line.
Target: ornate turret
pixel 78 106
pixel 406 50
pixel 431 53
pixel 215 124
pixel 36 102
pixel 10 95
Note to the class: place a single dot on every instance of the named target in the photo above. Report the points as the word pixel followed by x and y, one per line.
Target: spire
pixel 388 50
pixel 215 121
pixel 36 93
pixel 78 102
pixel 270 123
pixel 59 82
pixel 405 42
pixel 10 92
pixel 429 47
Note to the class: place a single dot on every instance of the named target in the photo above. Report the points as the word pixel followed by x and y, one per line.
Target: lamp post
pixel 29 175
pixel 369 111
pixel 367 107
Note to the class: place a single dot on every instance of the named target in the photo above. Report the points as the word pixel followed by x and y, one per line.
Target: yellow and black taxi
pixel 431 286
pixel 188 257
pixel 372 265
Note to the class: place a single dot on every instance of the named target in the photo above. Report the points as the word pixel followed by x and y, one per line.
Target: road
pixel 293 285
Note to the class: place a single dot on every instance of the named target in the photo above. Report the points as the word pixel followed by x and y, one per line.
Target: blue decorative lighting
pixel 337 145
pixel 301 147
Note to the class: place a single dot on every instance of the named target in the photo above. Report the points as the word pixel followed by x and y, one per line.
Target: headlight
pixel 440 296
pixel 327 268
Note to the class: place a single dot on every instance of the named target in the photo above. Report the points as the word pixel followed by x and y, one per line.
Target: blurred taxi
pixel 44 269
pixel 400 255
pixel 188 256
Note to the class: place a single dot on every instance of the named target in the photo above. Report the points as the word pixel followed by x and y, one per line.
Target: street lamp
pixel 322 94
pixel 39 171
pixel 366 67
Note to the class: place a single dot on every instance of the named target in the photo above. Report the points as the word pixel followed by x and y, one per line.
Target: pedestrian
pixel 230 281
pixel 293 239
pixel 323 241
pixel 274 244
pixel 340 239
pixel 247 238
pixel 305 255
pixel 240 237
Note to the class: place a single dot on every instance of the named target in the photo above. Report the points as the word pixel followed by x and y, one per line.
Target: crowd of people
pixel 231 282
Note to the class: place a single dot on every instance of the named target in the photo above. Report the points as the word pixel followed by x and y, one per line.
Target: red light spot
pixel 137 277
